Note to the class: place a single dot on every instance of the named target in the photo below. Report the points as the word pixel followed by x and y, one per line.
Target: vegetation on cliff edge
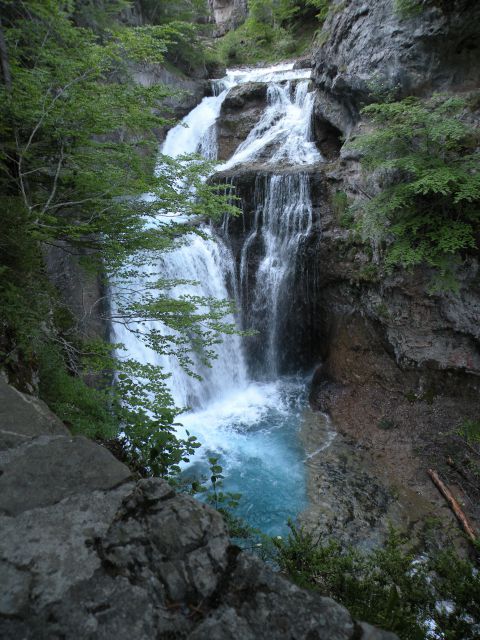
pixel 425 156
pixel 396 587
pixel 77 151
pixel 274 29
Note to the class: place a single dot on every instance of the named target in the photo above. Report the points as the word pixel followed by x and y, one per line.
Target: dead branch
pixel 457 510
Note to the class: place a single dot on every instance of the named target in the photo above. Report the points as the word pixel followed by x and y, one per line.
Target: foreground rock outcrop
pixel 86 552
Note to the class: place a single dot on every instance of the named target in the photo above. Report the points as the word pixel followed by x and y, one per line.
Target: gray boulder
pixel 241 110
pixel 88 553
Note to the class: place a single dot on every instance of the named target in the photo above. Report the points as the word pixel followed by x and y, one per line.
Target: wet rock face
pixel 228 14
pixel 297 321
pixel 87 552
pixel 413 328
pixel 370 50
pixel 241 110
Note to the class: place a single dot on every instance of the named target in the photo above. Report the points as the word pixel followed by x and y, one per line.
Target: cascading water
pixel 283 134
pixel 283 220
pixel 252 424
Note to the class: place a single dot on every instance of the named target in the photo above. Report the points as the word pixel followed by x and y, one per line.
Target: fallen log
pixel 457 510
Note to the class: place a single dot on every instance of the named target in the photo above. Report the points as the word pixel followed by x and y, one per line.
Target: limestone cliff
pixel 372 49
pixel 227 14
pixel 394 356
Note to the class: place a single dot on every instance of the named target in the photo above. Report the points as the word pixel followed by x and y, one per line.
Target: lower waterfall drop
pixel 283 219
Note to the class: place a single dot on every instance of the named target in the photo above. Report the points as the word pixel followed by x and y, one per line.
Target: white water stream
pixel 252 424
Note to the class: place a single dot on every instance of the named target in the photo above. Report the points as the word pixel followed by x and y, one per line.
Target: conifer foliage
pixel 426 157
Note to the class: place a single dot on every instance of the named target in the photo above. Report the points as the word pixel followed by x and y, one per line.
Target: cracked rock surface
pixel 86 552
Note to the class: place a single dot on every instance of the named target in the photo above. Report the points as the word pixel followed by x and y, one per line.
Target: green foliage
pixel 470 431
pixel 98 15
pixel 386 424
pixel 408 8
pixel 77 151
pixel 184 22
pixel 382 311
pixel 411 8
pixel 84 410
pixel 390 587
pixel 173 10
pixel 146 411
pixel 428 209
pixel 255 42
pixel 226 502
pixel 368 273
pixel 217 497
pixel 322 7
pixel 342 209
pixel 273 30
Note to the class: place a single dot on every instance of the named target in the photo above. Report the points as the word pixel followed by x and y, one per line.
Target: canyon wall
pixel 365 48
pixel 394 356
pixel 227 14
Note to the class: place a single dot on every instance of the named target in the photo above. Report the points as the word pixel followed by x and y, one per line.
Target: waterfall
pixel 283 213
pixel 206 263
pixel 283 219
pixel 284 130
pixel 251 423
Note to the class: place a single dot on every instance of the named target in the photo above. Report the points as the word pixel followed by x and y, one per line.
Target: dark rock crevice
pixel 328 137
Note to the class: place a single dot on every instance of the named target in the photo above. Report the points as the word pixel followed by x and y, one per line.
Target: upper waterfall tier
pixel 277 73
pixel 280 132
pixel 283 134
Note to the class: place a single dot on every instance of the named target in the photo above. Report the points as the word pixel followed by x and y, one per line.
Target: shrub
pixel 393 587
pixel 426 157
